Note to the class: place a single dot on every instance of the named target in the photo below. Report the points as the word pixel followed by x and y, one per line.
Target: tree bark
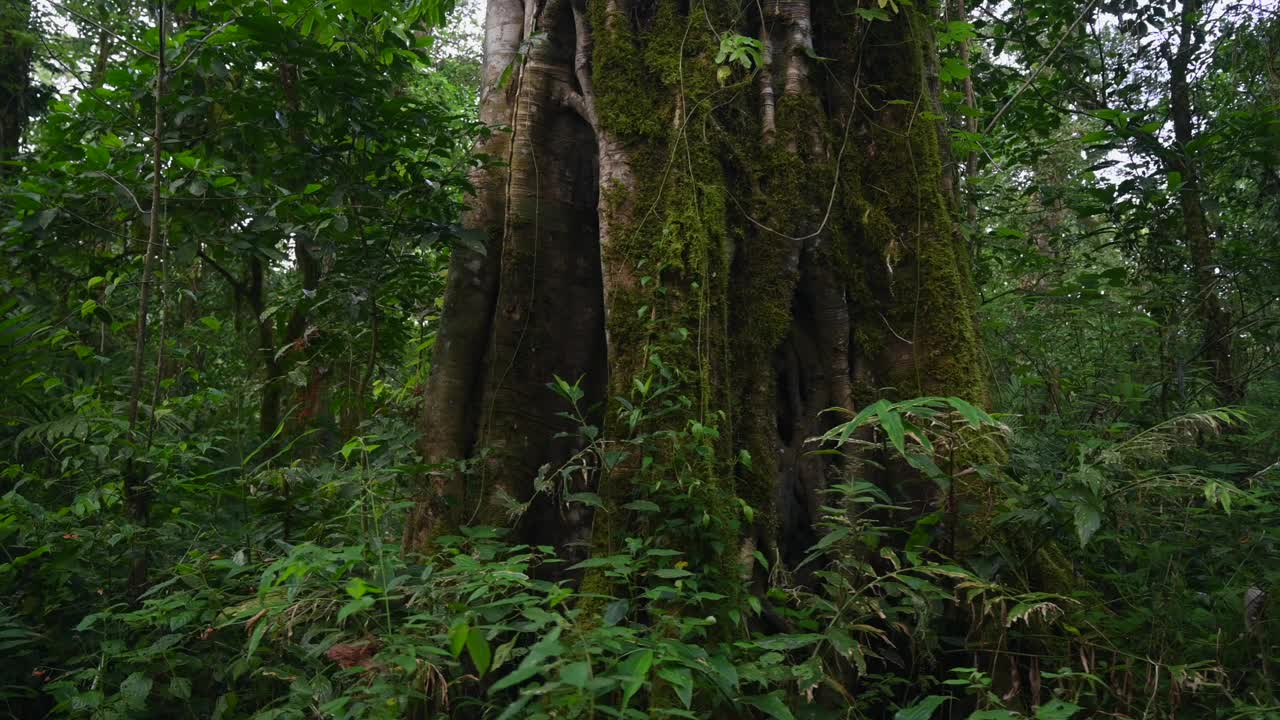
pixel 764 245
pixel 16 40
pixel 136 492
pixel 1217 343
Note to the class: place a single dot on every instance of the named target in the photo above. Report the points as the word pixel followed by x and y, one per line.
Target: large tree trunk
pixel 16 40
pixel 766 245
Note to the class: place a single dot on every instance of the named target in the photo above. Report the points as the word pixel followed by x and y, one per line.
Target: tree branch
pixel 236 285
pixel 1039 68
pixel 103 28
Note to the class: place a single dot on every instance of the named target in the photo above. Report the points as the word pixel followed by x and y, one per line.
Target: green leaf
pixel 953 69
pixel 770 705
pixel 355 606
pixel 576 674
pixel 478 650
pixel 642 506
pixel 616 611
pixel 358 588
pixel 135 690
pixel 842 642
pixel 871 14
pixel 926 465
pixel 922 710
pixel 88 621
pixel 515 708
pixel 458 637
pixel 976 416
pixel 1057 710
pixel 586 498
pixel 831 538
pixel 725 670
pixel 256 638
pixel 548 646
pixel 891 421
pixel 98 157
pixel 634 670
pixel 955 31
pixel 1216 493
pixel 681 681
pixel 515 677
pixel 1087 521
pixel 180 688
pixel 794 641
pixel 812 55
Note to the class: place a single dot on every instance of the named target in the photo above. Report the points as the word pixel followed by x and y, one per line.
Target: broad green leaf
pixel 355 606
pixel 634 671
pixel 922 710
pixel 771 705
pixel 458 637
pixel 576 674
pixel 976 416
pixel 1087 521
pixel 135 690
pixel 478 650
pixel 586 498
pixel 891 421
pixel 682 681
pixel 725 671
pixel 515 677
pixel 616 611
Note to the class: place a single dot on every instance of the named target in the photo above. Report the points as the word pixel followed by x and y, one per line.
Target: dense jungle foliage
pixel 225 230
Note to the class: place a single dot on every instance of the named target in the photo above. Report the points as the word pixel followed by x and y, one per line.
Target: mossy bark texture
pixel 16 41
pixel 769 241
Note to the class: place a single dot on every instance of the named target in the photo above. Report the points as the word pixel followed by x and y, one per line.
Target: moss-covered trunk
pixel 16 41
pixel 719 250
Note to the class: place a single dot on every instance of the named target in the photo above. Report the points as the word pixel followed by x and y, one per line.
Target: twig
pixel 1039 68
pixel 202 41
pixel 106 30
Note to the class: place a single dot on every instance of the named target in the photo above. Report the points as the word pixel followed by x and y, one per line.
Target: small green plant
pixel 741 50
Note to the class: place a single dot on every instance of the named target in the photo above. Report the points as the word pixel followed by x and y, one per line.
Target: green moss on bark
pixel 908 219
pixel 669 239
